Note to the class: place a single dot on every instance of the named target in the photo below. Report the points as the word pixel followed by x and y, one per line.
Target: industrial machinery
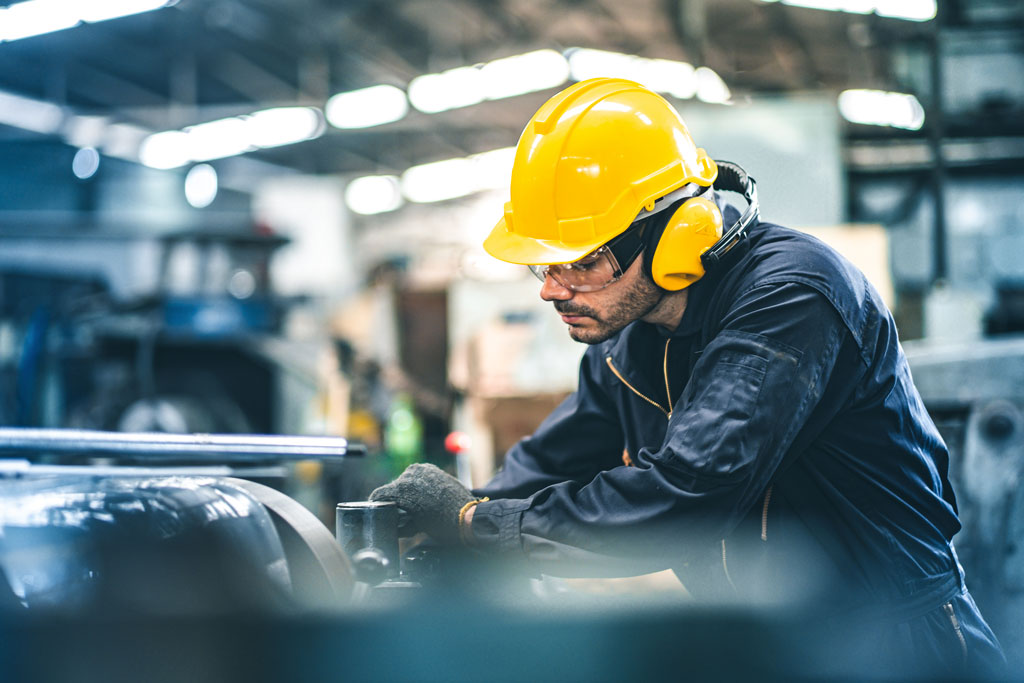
pixel 180 532
pixel 975 392
pixel 186 339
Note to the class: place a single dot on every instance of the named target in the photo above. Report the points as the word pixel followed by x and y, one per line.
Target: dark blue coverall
pixel 771 450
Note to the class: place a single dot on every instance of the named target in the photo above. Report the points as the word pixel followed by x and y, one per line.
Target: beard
pixel 636 302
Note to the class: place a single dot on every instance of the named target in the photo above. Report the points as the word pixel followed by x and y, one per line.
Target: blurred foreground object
pixel 160 546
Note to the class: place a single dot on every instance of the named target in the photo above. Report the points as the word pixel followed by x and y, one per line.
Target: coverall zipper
pixel 668 393
pixel 956 628
pixel 764 513
pixel 668 414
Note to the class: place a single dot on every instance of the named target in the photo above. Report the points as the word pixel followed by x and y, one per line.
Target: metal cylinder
pixel 369 525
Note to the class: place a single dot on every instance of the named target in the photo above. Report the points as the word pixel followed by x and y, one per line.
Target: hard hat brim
pixel 527 251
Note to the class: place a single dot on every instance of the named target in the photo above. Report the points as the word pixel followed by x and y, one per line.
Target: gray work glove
pixel 432 498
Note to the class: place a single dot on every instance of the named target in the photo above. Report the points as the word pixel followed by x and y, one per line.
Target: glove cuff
pixel 465 531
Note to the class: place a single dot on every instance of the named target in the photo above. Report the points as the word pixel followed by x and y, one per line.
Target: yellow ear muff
pixel 693 229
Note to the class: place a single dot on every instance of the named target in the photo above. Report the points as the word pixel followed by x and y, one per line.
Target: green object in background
pixel 403 435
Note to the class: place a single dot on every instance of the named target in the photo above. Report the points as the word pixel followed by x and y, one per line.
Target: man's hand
pixel 432 497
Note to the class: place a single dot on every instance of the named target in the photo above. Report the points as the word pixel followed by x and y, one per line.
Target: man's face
pixel 595 316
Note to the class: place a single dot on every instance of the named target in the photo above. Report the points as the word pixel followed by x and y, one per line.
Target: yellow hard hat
pixel 590 159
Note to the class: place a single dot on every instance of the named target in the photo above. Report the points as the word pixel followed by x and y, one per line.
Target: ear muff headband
pixel 687 240
pixel 732 178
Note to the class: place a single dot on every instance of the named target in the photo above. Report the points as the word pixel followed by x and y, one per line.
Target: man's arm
pixel 580 438
pixel 750 394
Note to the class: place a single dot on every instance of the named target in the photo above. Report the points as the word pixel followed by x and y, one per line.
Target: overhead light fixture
pixel 678 79
pixel 452 89
pixel 880 108
pixel 373 194
pixel 506 77
pixel 711 88
pixel 439 180
pixel 29 114
pixel 201 186
pixel 521 74
pixel 910 10
pixel 86 163
pixel 459 177
pixel 367 107
pixel 283 126
pixel 38 17
pixel 231 136
pixel 122 140
pixel 493 169
pixel 165 150
pixel 92 11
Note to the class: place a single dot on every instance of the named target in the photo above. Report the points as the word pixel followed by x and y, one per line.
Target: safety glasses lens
pixel 596 270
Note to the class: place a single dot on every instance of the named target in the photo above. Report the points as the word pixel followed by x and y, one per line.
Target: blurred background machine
pixel 975 393
pixel 181 358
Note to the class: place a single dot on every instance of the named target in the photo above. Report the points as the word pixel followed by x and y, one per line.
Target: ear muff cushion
pixel 692 229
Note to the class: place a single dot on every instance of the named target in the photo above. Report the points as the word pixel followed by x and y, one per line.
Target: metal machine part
pixel 156 545
pixel 163 545
pixel 368 534
pixel 975 392
pixel 223 447
pixel 321 572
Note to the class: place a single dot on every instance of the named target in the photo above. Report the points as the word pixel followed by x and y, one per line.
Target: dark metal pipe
pixel 15 440
pixel 936 132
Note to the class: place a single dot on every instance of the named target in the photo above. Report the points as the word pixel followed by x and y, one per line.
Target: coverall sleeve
pixel 750 392
pixel 580 438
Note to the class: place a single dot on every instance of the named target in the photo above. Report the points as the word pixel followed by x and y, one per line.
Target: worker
pixel 744 415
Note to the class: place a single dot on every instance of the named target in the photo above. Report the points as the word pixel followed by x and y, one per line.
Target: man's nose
pixel 552 290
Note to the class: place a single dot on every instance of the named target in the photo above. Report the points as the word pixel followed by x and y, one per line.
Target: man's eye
pixel 586 263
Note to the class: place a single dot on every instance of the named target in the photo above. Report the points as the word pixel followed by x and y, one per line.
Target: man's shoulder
pixel 780 255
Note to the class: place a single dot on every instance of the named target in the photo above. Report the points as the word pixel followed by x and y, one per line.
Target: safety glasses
pixel 601 267
pixel 596 270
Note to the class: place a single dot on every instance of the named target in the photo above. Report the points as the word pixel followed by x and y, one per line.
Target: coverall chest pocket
pixel 732 387
pixel 717 427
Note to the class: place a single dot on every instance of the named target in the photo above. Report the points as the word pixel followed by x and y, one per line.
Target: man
pixel 744 415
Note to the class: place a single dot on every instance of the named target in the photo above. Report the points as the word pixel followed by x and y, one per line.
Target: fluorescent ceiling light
pixel 29 114
pixel 433 182
pixel 37 17
pixel 460 87
pixel 530 72
pixel 493 169
pixel 911 10
pixel 879 108
pixel 284 126
pixel 507 77
pixel 678 79
pixel 458 177
pixel 373 194
pixel 439 181
pixel 711 88
pixel 122 140
pixel 101 10
pixel 165 150
pixel 367 107
pixel 231 136
pixel 217 139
